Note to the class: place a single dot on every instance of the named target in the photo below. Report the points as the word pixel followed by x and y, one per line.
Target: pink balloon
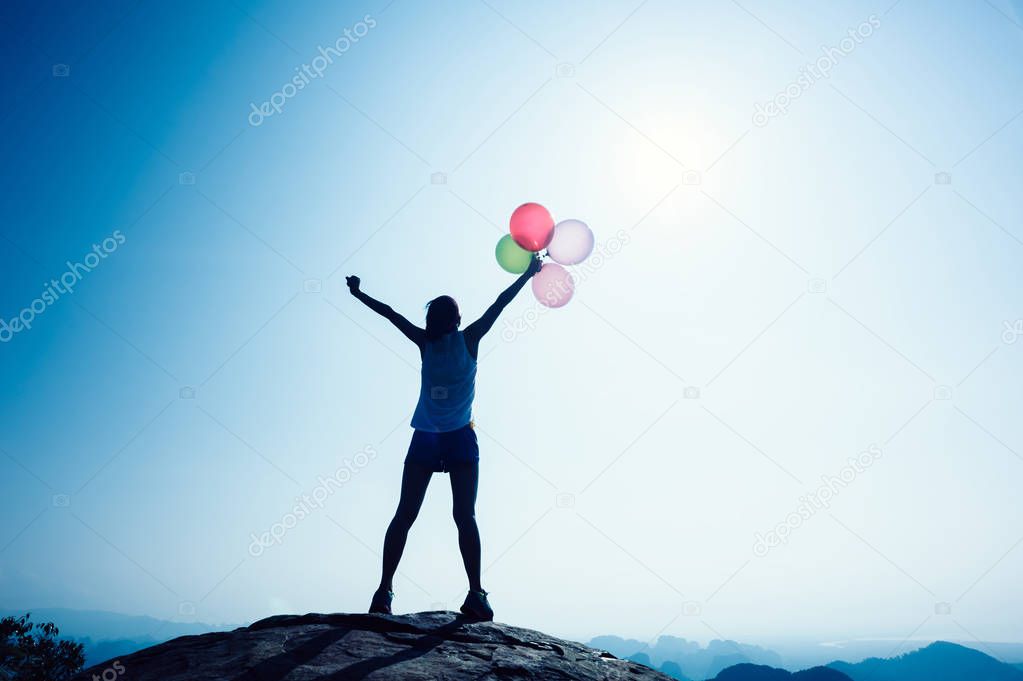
pixel 532 226
pixel 572 242
pixel 553 285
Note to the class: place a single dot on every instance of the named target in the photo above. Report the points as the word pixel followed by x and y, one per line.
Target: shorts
pixel 440 452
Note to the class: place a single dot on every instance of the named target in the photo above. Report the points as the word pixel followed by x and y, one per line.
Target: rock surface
pixel 428 645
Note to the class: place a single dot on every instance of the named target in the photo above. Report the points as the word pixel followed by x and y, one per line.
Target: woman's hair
pixel 442 317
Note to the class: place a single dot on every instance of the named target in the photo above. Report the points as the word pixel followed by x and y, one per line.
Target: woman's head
pixel 442 316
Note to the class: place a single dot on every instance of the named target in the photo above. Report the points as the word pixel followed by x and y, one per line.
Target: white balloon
pixel 572 242
pixel 553 285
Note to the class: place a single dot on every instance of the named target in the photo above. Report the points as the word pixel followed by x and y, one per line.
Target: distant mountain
pixel 792 654
pixel 100 624
pixel 641 658
pixel 806 653
pixel 753 672
pixel 759 672
pixel 819 674
pixel 672 669
pixel 668 667
pixel 940 661
pixel 101 651
pixel 618 646
pixel 689 659
pixel 106 635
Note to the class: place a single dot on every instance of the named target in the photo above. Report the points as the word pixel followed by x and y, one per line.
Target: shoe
pixel 477 607
pixel 381 602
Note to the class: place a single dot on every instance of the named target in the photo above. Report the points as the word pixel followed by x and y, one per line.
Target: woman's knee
pixel 404 517
pixel 464 517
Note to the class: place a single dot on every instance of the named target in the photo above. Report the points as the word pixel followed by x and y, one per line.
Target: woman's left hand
pixel 534 266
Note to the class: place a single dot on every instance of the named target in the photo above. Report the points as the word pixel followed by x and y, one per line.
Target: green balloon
pixel 512 257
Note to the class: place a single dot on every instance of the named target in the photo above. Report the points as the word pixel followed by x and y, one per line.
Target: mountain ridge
pixel 939 661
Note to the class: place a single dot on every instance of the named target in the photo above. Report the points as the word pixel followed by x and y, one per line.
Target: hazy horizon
pixel 104 629
pixel 806 319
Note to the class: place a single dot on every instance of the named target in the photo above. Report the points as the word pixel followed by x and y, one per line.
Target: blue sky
pixel 773 300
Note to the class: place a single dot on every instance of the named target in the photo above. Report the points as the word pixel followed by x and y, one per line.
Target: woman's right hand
pixel 353 283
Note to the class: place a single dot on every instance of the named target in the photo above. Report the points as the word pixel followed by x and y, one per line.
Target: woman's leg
pixel 464 481
pixel 414 481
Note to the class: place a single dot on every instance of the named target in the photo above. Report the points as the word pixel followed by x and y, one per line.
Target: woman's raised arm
pixel 411 331
pixel 475 331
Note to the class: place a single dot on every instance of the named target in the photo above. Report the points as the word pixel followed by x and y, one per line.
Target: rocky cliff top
pixel 427 645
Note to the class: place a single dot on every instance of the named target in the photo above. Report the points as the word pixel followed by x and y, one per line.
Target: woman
pixel 444 439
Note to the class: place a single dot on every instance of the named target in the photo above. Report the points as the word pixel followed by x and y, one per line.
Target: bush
pixel 32 652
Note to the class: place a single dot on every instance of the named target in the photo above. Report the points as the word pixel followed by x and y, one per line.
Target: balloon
pixel 511 257
pixel 553 285
pixel 532 226
pixel 572 242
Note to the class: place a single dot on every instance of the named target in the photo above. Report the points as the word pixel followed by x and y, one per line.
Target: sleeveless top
pixel 448 385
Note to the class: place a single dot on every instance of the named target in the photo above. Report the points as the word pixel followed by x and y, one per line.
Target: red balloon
pixel 532 227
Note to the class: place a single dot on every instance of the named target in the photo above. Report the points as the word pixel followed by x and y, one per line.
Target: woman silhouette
pixel 443 439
